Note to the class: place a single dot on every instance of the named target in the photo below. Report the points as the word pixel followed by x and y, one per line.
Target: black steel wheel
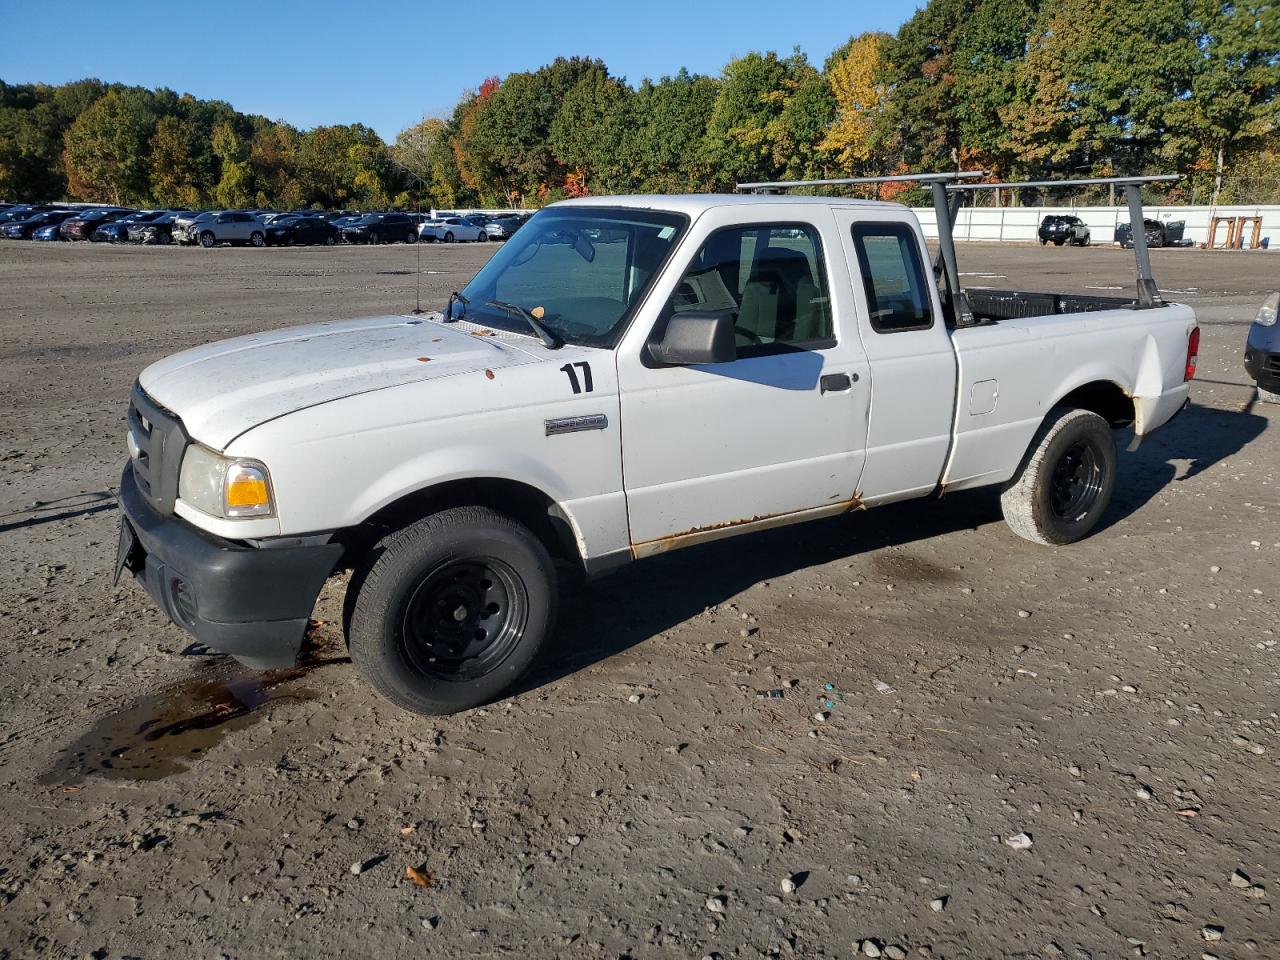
pixel 1064 484
pixel 464 618
pixel 448 613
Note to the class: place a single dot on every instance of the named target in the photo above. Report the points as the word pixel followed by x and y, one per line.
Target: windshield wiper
pixel 547 337
pixel 448 307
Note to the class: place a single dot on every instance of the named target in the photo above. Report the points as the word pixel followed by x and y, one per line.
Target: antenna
pixel 417 249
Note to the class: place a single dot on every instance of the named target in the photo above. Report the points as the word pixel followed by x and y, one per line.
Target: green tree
pixel 747 125
pixel 587 133
pixel 665 135
pixel 1234 101
pixel 235 183
pixel 173 175
pixel 105 149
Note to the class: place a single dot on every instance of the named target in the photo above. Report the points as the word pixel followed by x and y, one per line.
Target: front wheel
pixel 1065 483
pixel 482 238
pixel 451 611
pixel 330 240
pixel 207 240
pixel 373 239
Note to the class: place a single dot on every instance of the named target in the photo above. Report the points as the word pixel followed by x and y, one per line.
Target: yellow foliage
pixel 858 96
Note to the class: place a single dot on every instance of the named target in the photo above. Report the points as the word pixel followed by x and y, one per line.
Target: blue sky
pixel 387 64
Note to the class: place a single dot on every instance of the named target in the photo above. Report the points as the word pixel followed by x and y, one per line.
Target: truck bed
pixel 990 306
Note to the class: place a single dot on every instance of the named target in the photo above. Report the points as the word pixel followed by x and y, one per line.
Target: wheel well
pixel 1104 398
pixel 519 501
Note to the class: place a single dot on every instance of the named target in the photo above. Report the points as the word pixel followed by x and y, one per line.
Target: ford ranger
pixel 625 377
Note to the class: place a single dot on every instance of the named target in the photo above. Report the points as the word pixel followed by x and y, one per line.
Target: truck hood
pixel 222 389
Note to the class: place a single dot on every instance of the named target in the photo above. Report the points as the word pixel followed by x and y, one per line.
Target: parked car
pixel 117 231
pixel 81 226
pixel 1063 228
pixel 292 231
pixel 186 228
pixel 1160 233
pixel 450 229
pixel 346 220
pixel 381 228
pixel 230 226
pixel 23 229
pixel 158 230
pixel 48 232
pixel 1262 350
pixel 21 211
pixel 763 378
pixel 503 227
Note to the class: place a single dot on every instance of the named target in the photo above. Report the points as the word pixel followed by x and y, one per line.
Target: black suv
pixel 1063 228
pixel 290 231
pixel 382 228
pixel 1160 233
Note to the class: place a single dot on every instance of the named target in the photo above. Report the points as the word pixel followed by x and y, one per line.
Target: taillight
pixel 1193 353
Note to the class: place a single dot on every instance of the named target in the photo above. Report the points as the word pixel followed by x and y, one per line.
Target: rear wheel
pixel 373 239
pixel 448 236
pixel 1065 483
pixel 451 611
pixel 482 238
pixel 257 239
pixel 330 240
pixel 412 237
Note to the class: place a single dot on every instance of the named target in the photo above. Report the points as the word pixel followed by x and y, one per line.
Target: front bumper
pixel 1264 368
pixel 251 602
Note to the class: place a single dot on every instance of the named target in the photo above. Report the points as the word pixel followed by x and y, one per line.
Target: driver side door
pixel 778 434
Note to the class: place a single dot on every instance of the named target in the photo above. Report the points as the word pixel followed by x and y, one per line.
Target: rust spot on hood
pixel 424 359
pixel 488 374
pixel 483 333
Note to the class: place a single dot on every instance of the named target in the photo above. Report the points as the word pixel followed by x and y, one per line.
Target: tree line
pixel 1027 89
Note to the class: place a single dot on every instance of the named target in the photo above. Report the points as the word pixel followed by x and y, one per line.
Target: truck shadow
pixel 643 600
pixel 1201 436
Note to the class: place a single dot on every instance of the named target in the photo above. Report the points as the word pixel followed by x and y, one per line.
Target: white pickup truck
pixel 626 376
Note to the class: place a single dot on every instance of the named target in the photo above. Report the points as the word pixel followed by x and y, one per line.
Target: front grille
pixel 1272 364
pixel 161 439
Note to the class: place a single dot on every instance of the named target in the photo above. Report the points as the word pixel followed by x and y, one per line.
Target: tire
pixel 1043 241
pixel 1058 243
pixel 412 237
pixel 330 240
pixel 448 236
pixel 207 240
pixel 1065 483
pixel 257 239
pixel 374 240
pixel 482 238
pixel 423 591
pixel 163 239
pixel 1268 396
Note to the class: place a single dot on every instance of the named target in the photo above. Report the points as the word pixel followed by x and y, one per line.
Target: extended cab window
pixel 771 276
pixel 893 277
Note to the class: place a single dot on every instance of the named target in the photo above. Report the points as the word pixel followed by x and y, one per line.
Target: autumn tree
pixel 587 132
pixel 854 74
pixel 105 149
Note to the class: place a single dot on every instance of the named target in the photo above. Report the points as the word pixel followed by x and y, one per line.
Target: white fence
pixel 1021 223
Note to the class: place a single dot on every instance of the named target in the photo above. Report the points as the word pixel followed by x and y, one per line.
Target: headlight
pixel 225 486
pixel 1267 312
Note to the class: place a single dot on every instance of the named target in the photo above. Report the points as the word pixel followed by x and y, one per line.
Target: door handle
pixel 834 382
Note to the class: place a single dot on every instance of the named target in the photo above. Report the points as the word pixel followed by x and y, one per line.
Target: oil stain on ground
pixel 166 732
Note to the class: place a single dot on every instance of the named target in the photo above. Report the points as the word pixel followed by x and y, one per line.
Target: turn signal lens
pixel 1193 353
pixel 246 493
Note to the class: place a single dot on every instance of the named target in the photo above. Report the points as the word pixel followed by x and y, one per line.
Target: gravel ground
pixel 1023 752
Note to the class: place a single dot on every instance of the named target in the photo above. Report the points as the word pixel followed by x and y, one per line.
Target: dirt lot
pixel 1115 701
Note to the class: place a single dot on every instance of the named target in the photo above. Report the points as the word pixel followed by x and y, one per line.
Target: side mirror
pixel 698 336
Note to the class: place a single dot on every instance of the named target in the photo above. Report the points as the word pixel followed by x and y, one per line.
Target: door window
pixel 772 277
pixel 893 277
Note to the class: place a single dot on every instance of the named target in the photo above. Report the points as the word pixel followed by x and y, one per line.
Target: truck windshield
pixel 580 270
